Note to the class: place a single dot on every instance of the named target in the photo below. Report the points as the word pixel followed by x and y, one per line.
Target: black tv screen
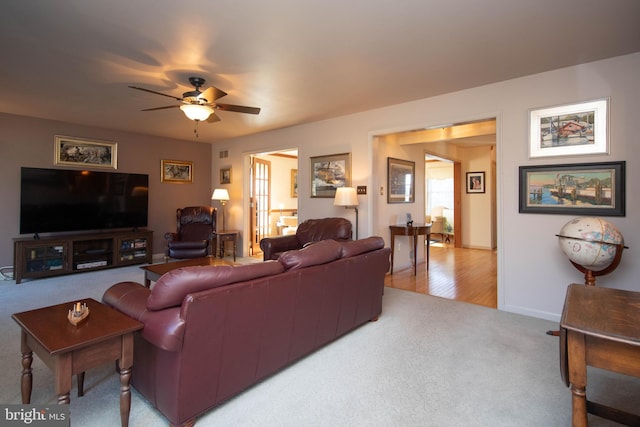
pixel 54 200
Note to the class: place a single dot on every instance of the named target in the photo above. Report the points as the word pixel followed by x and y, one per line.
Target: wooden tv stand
pixel 76 253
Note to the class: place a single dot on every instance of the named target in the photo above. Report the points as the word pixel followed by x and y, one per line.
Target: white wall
pixel 532 272
pixel 477 226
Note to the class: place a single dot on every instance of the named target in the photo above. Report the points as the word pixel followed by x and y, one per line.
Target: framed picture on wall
pixel 329 173
pixel 176 171
pixel 225 175
pixel 294 182
pixel 475 182
pixel 400 181
pixel 569 130
pixel 70 151
pixel 576 189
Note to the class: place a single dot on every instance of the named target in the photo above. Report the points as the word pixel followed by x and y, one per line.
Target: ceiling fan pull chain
pixel 195 129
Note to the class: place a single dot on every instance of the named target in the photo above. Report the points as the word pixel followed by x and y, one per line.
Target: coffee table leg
pixel 27 377
pixel 63 377
pixel 80 378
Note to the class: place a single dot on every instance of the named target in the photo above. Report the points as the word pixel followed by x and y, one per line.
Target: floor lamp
pixel 347 197
pixel 221 195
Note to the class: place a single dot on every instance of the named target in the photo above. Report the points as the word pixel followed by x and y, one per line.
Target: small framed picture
pixel 225 175
pixel 569 130
pixel 294 182
pixel 69 151
pixel 176 171
pixel 475 182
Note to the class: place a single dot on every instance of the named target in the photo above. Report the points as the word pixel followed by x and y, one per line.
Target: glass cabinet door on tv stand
pixel 41 259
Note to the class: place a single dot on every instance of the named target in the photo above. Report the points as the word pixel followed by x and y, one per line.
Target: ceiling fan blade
pixel 213 118
pixel 157 93
pixel 161 108
pixel 238 108
pixel 212 93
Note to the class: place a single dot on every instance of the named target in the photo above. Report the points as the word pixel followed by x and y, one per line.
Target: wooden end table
pixel 599 327
pixel 106 335
pixel 227 236
pixel 412 231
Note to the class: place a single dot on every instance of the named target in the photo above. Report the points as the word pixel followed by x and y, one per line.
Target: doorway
pixel 273 195
pixel 471 148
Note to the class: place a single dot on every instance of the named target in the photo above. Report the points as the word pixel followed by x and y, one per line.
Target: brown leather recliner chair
pixel 312 230
pixel 196 228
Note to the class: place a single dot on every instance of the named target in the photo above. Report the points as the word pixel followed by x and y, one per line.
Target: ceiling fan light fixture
pixel 196 112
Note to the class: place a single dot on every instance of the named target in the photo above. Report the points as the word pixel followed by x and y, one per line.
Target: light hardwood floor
pixel 460 274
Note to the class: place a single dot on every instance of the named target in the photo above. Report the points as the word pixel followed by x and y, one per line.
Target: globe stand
pixel 590 276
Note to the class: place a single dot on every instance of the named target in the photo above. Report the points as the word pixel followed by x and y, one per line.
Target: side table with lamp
pixel 222 195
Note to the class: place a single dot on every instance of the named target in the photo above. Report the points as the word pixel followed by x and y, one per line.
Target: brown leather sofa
pixel 311 230
pixel 211 332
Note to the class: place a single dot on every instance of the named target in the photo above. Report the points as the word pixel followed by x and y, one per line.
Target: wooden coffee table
pixel 154 271
pixel 106 335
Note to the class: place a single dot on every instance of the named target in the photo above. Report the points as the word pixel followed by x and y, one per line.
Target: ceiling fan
pixel 198 105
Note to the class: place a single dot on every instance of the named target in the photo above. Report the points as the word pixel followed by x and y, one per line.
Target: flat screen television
pixel 57 200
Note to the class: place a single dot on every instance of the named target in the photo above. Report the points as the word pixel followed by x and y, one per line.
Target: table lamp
pixel 221 195
pixel 347 197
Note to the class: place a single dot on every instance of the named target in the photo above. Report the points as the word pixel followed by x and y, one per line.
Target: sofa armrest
pixel 163 328
pixel 272 247
pixel 129 298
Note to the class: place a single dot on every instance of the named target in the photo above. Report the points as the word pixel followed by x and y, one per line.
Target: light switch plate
pixel 361 189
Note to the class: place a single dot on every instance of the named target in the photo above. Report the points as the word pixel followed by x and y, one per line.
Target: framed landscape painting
pixel 329 173
pixel 70 151
pixel 176 171
pixel 569 130
pixel 596 189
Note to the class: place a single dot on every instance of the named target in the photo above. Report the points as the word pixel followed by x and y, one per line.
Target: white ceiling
pixel 300 61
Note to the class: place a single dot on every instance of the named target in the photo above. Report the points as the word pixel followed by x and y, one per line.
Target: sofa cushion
pixel 172 287
pixel 357 247
pixel 318 253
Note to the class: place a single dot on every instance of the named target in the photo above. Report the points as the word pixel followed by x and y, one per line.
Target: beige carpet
pixel 426 362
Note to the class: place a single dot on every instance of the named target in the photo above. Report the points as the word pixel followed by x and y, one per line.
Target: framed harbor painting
pixel 596 189
pixel 569 130
pixel 328 173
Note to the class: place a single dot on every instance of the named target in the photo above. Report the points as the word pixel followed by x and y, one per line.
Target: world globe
pixel 593 245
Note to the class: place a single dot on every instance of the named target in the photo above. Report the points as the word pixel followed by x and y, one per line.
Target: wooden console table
pixel 599 327
pixel 68 350
pixel 414 231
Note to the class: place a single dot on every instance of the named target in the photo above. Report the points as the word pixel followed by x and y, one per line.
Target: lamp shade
pixel 346 196
pixel 220 194
pixel 196 111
